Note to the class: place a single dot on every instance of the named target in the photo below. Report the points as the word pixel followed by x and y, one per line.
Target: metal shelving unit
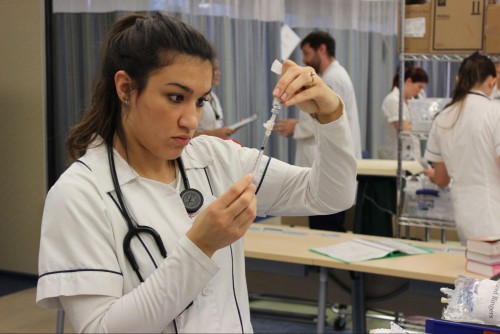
pixel 403 219
pixel 449 58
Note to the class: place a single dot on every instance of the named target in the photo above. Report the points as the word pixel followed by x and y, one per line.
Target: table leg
pixel 60 322
pixel 358 303
pixel 323 285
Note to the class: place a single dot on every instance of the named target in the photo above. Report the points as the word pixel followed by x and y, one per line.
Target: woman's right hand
pixel 226 219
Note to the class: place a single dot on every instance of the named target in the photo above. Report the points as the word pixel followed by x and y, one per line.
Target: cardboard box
pixel 492 30
pixel 457 26
pixel 417 28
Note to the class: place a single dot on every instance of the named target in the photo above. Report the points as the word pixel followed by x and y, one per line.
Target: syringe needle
pixel 269 125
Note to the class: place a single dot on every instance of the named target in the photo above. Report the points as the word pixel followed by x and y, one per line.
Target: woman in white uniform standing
pixel 143 232
pixel 416 79
pixel 464 144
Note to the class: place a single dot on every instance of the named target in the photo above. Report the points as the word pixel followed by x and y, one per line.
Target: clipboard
pixel 243 122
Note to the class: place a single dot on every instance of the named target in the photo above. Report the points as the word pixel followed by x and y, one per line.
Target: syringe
pixel 269 125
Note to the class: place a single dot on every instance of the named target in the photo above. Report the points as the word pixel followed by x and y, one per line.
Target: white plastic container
pixel 422 112
pixel 424 199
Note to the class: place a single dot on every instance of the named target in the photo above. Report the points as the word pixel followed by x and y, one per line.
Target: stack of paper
pixel 356 250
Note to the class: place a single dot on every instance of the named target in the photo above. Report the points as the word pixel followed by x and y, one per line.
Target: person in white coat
pixel 212 117
pixel 464 146
pixel 495 94
pixel 318 51
pixel 416 80
pixel 143 232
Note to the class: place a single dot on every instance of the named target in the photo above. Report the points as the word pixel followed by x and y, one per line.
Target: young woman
pixel 143 232
pixel 416 79
pixel 464 144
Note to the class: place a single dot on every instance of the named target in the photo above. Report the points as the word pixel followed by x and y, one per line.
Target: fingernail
pixel 284 97
pixel 276 91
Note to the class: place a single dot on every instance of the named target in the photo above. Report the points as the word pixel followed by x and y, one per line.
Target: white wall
pixel 22 133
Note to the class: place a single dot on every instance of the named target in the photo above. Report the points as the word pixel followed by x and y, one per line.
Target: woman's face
pixel 412 89
pixel 161 121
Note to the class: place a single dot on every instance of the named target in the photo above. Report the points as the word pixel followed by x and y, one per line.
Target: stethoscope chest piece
pixel 192 199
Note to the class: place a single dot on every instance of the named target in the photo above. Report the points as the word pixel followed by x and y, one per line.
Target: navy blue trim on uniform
pixel 263 174
pixel 479 94
pixel 208 179
pixel 80 270
pixel 138 236
pixel 432 152
pixel 234 290
pixel 83 163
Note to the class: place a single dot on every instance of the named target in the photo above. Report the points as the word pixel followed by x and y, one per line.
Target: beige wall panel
pixel 22 133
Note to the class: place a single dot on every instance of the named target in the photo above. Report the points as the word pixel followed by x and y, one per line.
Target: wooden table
pixel 292 244
pixel 377 167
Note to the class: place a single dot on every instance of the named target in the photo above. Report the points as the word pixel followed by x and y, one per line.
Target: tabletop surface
pixel 377 167
pixel 292 244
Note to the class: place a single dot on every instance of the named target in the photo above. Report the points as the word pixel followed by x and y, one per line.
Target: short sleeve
pixel 433 148
pixel 77 255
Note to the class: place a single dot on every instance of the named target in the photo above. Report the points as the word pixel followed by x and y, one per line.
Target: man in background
pixel 318 51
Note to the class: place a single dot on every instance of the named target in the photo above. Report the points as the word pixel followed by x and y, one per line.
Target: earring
pixel 125 102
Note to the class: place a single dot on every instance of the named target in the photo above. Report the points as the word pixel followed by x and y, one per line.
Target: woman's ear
pixel 123 83
pixel 492 82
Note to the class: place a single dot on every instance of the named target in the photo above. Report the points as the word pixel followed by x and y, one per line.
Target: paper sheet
pixel 243 122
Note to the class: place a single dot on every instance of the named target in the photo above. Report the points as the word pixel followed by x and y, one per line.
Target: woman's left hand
pixel 301 86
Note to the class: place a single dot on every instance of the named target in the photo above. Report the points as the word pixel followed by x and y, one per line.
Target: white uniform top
pixel 469 149
pixel 390 110
pixel 305 145
pixel 212 116
pixel 337 78
pixel 81 249
pixel 495 94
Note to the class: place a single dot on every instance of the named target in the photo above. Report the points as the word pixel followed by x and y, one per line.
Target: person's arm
pixel 166 293
pixel 438 175
pixel 390 109
pixel 151 306
pixel 286 127
pixel 329 186
pixel 406 125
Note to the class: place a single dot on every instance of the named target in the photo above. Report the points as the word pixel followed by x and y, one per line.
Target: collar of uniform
pixel 478 92
pixel 96 158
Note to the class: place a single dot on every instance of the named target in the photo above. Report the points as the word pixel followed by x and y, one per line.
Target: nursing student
pixel 415 79
pixel 464 145
pixel 144 230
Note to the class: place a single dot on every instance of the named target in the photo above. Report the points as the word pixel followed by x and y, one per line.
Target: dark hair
pixel 316 38
pixel 416 74
pixel 137 45
pixel 473 70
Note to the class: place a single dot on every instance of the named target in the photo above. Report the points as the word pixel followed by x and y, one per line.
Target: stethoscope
pixel 192 199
